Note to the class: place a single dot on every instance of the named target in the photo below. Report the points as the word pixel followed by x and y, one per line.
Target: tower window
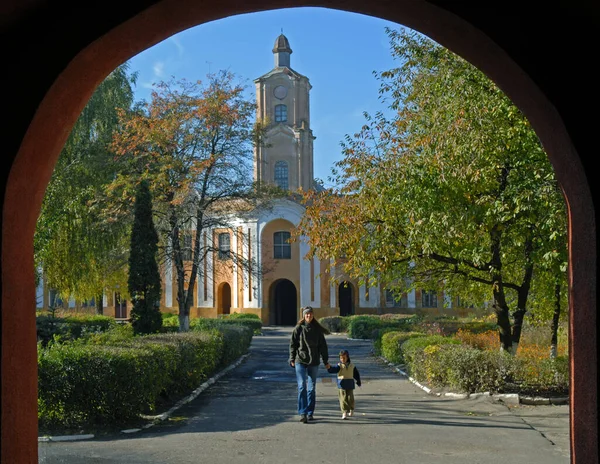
pixel 280 113
pixel 282 249
pixel 224 246
pixel 281 175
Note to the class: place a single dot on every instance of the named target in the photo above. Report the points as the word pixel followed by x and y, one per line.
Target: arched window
pixel 280 113
pixel 281 174
pixel 224 246
pixel 282 249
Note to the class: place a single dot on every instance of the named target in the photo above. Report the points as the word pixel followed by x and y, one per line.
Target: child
pixel 347 373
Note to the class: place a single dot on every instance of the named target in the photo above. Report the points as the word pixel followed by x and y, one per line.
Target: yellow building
pixel 288 281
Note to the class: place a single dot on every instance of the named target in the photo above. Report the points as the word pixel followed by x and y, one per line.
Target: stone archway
pixel 49 98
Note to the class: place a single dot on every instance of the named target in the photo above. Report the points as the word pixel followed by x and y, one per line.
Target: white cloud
pixel 158 68
pixel 177 42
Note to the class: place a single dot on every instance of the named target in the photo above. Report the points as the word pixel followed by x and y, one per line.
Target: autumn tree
pixel 453 191
pixel 144 277
pixel 193 144
pixel 79 252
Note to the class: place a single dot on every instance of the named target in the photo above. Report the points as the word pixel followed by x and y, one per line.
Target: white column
pixel 412 299
pixel 305 279
pixel 332 292
pixel 317 269
pixel 168 284
pixel 234 289
pixel 447 300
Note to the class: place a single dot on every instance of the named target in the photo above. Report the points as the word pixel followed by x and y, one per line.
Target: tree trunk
pixel 184 321
pixel 504 329
pixel 555 319
pixel 517 328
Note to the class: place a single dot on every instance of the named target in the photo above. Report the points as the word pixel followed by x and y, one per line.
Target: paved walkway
pixel 249 416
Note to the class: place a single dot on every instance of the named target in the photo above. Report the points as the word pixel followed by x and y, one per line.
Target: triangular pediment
pixel 282 70
pixel 280 129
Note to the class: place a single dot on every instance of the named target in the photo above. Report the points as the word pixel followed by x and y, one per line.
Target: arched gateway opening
pixel 283 304
pixel 346 298
pixel 224 298
pixel 514 47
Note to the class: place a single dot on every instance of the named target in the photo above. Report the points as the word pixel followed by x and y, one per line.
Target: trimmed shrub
pixel 208 323
pixel 82 384
pixel 71 327
pixel 391 343
pixel 335 324
pixel 412 351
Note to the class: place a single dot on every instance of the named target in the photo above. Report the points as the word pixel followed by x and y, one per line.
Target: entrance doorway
pixel 224 298
pixel 346 298
pixel 120 307
pixel 283 303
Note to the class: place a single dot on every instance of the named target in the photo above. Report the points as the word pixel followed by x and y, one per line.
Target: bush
pixel 241 316
pixel 391 343
pixel 82 384
pixel 335 324
pixel 71 327
pixel 208 323
pixel 412 351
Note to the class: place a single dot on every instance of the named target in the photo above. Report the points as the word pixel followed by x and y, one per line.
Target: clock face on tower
pixel 280 92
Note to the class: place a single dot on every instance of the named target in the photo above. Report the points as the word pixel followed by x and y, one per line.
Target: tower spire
pixel 282 51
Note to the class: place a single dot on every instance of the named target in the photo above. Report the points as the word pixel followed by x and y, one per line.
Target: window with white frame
pixel 281 174
pixel 224 246
pixel 282 249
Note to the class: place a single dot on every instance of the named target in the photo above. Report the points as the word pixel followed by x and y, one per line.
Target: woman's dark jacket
pixel 308 344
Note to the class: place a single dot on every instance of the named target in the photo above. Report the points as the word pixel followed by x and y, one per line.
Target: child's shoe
pixel 344 415
pixel 351 413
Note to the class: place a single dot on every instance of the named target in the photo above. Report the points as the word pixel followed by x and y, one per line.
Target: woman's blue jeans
pixel 306 376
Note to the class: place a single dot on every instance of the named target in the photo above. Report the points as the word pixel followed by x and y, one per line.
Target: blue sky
pixel 336 50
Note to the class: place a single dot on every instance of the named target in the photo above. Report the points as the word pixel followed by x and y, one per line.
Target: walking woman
pixel 307 346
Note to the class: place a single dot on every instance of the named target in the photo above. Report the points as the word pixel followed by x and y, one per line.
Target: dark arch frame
pixel 71 51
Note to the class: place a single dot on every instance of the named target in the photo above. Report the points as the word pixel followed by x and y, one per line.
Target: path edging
pixel 508 398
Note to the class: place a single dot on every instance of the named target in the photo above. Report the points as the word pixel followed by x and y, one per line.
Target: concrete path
pixel 249 416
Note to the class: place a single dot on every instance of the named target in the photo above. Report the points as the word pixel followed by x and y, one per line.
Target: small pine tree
pixel 144 278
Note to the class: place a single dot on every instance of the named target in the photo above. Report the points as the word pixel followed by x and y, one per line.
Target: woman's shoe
pixel 350 413
pixel 344 415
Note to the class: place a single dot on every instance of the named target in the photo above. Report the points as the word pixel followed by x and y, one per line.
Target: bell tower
pixel 285 158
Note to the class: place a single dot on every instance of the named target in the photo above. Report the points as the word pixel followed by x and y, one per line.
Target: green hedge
pixel 83 384
pixel 391 343
pixel 369 326
pixel 71 327
pixel 209 323
pixel 112 377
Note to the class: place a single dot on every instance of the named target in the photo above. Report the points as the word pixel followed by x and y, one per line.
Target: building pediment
pixel 281 129
pixel 288 72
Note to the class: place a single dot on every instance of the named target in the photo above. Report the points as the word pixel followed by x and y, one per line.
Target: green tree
pixel 454 192
pixel 79 251
pixel 193 143
pixel 144 278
